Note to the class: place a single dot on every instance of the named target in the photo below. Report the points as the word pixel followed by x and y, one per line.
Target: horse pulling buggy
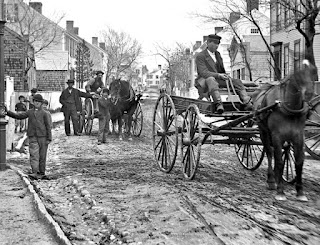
pixel 186 123
pixel 133 110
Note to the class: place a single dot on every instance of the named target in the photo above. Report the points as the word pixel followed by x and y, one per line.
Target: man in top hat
pixel 39 135
pixel 95 85
pixel 71 106
pixel 212 75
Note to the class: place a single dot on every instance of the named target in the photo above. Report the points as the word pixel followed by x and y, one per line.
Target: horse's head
pixel 304 80
pixel 115 89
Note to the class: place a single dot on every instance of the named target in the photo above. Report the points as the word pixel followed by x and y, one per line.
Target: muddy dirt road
pixel 115 194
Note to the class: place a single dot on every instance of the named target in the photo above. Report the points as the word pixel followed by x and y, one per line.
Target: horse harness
pixel 261 101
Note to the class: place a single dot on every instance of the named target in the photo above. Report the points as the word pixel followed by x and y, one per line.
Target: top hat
pixel 99 72
pixel 38 97
pixel 215 38
pixel 70 81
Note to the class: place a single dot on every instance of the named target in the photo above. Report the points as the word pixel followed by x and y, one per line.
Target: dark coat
pixel 206 67
pixel 39 123
pixel 77 94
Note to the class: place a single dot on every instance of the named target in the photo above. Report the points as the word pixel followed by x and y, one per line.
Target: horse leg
pixel 269 152
pixel 278 168
pixel 299 160
pixel 129 123
pixel 120 128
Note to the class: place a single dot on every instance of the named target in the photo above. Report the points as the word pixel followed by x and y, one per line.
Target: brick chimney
pixel 217 29
pixel 95 41
pixel 252 4
pixel 76 30
pixel 36 6
pixel 234 16
pixel 102 46
pixel 69 26
pixel 197 45
pixel 159 67
pixel 205 38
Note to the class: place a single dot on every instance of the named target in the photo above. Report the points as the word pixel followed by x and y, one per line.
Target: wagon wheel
pixel 165 133
pixel 191 136
pixel 86 117
pixel 312 130
pixel 250 154
pixel 137 121
pixel 289 174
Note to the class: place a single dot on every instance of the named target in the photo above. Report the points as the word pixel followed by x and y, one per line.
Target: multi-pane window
pixel 277 57
pixel 286 16
pixel 254 30
pixel 278 16
pixel 11 12
pixel 297 56
pixel 243 73
pixel 286 60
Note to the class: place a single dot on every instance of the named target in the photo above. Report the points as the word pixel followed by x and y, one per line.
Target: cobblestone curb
pixel 42 211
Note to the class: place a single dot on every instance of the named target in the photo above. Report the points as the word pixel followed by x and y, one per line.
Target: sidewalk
pixel 24 219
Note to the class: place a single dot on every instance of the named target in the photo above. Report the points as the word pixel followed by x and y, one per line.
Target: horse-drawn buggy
pixel 274 126
pixel 125 109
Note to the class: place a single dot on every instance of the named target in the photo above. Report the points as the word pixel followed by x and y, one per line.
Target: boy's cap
pixel 34 90
pixel 45 102
pixel 21 97
pixel 38 97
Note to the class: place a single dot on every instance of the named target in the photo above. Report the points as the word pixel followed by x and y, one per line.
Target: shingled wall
pixel 14 61
pixel 51 80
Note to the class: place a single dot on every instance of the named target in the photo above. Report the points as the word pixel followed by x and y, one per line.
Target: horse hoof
pixel 302 198
pixel 281 197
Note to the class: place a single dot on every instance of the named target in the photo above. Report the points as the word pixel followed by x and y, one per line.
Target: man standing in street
pixel 71 106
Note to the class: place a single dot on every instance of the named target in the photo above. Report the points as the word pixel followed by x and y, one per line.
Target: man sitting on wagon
pixel 95 85
pixel 211 75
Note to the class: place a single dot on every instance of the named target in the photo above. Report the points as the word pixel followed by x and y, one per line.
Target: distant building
pixel 155 79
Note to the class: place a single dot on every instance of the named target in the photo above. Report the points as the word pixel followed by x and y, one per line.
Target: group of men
pixel 211 76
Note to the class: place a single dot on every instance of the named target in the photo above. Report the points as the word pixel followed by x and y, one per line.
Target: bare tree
pixel 38 32
pixel 177 63
pixel 122 53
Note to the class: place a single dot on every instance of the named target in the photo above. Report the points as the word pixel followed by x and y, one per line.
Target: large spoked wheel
pixel 250 153
pixel 191 137
pixel 165 133
pixel 289 174
pixel 137 121
pixel 312 129
pixel 86 117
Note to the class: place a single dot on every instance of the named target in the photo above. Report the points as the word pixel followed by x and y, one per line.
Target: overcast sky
pixel 148 21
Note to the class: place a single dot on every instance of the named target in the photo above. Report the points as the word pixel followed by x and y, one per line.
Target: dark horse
pixel 124 103
pixel 285 124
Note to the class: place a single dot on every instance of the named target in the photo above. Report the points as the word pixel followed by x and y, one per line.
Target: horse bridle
pixel 118 97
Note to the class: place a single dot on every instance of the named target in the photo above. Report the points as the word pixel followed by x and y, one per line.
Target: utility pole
pixel 3 121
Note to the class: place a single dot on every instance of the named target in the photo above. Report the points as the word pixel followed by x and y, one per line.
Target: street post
pixel 3 121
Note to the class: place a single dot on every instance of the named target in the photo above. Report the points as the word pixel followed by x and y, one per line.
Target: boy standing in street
pixel 104 117
pixel 20 106
pixel 39 134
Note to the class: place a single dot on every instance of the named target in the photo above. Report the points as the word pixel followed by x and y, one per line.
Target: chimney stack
pixel 76 30
pixel 102 46
pixel 159 67
pixel 69 26
pixel 95 41
pixel 205 38
pixel 36 6
pixel 217 29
